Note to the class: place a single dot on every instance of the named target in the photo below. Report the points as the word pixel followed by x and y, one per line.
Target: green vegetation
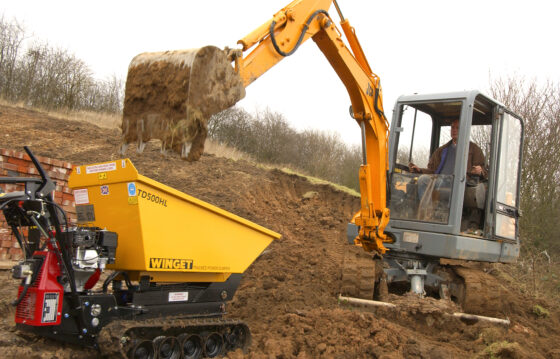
pixel 540 311
pixel 503 349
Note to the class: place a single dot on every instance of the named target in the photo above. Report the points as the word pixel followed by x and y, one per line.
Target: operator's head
pixel 455 131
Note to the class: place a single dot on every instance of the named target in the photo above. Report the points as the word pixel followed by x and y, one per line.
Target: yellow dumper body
pixel 164 233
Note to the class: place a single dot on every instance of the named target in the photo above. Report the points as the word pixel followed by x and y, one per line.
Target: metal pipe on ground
pixel 463 316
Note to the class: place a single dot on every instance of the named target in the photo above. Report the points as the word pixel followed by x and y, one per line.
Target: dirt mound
pixel 288 297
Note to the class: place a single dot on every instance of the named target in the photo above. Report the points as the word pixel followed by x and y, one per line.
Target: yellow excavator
pixel 172 277
pixel 449 214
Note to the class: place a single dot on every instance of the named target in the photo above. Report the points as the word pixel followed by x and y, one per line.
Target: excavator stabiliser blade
pixel 171 95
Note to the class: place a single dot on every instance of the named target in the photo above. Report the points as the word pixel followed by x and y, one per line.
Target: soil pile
pixel 288 297
pixel 171 95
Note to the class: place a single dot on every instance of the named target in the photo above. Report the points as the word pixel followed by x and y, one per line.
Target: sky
pixel 414 46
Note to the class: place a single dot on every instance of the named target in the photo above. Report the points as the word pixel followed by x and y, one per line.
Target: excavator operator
pixel 442 162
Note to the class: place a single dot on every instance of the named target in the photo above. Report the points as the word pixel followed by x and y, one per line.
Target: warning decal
pixel 104 167
pixel 81 196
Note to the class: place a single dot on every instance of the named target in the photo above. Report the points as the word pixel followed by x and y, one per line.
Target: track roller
pixel 191 345
pixel 167 347
pixel 238 337
pixel 213 345
pixel 142 349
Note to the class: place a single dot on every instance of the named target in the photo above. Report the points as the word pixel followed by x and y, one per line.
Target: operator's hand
pixel 413 168
pixel 476 170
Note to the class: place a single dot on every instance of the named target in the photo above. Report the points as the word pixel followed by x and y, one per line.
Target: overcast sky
pixel 414 46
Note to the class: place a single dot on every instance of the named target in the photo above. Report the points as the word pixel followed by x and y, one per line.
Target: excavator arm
pixel 177 113
pixel 280 37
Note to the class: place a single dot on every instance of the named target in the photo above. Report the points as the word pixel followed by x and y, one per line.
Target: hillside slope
pixel 288 297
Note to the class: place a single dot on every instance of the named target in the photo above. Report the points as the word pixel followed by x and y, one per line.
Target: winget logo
pixel 171 263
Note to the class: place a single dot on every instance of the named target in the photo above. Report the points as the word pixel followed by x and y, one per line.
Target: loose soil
pixel 171 95
pixel 288 297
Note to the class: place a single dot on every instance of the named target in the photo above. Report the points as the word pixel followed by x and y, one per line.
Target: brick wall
pixel 18 164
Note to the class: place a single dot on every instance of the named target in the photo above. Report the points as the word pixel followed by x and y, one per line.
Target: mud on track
pixel 288 297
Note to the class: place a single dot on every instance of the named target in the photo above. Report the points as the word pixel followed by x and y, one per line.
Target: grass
pixel 105 120
pixel 220 150
pixel 319 181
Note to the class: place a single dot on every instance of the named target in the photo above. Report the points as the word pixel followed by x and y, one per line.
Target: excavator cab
pixel 452 213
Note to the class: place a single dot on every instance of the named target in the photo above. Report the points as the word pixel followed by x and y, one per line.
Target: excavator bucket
pixel 171 95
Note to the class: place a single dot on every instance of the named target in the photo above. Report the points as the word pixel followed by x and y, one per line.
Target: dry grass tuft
pixel 101 119
pixel 219 150
pixel 105 120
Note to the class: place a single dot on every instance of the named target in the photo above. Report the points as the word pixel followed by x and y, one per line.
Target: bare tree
pixel 52 78
pixel 12 35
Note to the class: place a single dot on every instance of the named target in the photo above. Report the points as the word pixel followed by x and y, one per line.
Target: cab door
pixel 508 173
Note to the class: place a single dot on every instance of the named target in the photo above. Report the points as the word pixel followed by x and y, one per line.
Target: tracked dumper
pixel 173 263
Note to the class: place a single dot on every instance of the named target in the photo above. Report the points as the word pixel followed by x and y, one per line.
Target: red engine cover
pixel 42 305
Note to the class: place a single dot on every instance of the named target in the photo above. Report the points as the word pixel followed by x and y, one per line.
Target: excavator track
pixel 358 275
pixel 173 338
pixel 478 292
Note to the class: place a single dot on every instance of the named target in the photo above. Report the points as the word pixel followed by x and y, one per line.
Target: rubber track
pixel 480 289
pixel 115 339
pixel 358 276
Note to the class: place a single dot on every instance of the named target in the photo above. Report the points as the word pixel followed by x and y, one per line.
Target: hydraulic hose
pixel 16 302
pixel 300 39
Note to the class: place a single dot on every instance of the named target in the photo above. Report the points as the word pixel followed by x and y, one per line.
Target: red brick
pixel 67 190
pixel 17 256
pixel 57 163
pixel 62 173
pixel 68 196
pixel 69 208
pixel 14 251
pixel 53 175
pixel 46 167
pixel 3 250
pixel 22 169
pixel 68 165
pixel 15 244
pixel 5 236
pixel 19 162
pixel 6 244
pixel 9 166
pixel 32 171
pixel 4 256
pixel 7 153
pixel 18 154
